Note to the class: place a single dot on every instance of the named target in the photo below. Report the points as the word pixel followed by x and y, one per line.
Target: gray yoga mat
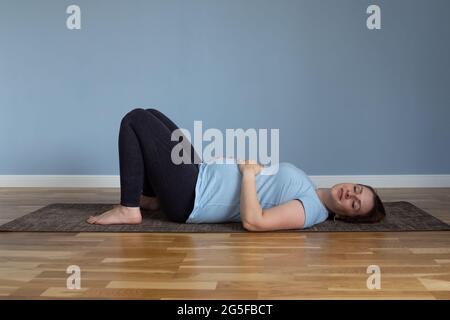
pixel 71 217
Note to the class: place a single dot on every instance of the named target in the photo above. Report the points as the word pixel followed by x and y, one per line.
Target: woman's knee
pixel 133 115
pixel 153 110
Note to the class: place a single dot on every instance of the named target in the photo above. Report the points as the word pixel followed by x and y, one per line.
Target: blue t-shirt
pixel 217 193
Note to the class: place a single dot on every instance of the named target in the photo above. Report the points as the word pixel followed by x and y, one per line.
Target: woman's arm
pixel 289 215
pixel 251 211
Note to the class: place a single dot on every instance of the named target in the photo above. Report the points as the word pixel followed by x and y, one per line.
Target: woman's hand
pixel 249 166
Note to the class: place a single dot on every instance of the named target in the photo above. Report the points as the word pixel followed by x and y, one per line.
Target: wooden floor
pixel 414 265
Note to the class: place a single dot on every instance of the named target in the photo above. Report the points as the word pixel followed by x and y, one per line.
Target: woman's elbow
pixel 249 226
pixel 252 226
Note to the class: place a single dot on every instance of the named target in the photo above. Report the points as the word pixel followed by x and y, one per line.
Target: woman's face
pixel 349 199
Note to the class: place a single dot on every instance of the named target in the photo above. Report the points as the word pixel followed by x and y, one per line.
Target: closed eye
pixel 357 189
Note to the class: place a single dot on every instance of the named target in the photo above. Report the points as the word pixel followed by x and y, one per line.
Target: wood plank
pixel 414 265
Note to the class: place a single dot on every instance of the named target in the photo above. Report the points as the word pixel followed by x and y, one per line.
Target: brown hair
pixel 375 215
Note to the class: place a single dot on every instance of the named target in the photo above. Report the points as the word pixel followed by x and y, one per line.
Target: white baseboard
pixel 59 181
pixel 387 181
pixel 113 181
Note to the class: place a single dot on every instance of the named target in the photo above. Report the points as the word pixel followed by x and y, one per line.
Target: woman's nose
pixel 349 194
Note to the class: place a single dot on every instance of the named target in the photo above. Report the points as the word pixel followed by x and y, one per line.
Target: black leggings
pixel 146 167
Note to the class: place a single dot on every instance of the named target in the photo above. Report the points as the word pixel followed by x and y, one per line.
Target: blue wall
pixel 347 100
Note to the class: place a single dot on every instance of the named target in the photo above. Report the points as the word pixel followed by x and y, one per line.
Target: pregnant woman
pixel 216 192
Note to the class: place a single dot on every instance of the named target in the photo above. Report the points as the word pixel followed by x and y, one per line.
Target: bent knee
pixel 136 112
pixel 133 114
pixel 153 110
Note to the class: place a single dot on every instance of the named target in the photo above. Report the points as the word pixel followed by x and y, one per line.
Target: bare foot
pixel 118 215
pixel 149 203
